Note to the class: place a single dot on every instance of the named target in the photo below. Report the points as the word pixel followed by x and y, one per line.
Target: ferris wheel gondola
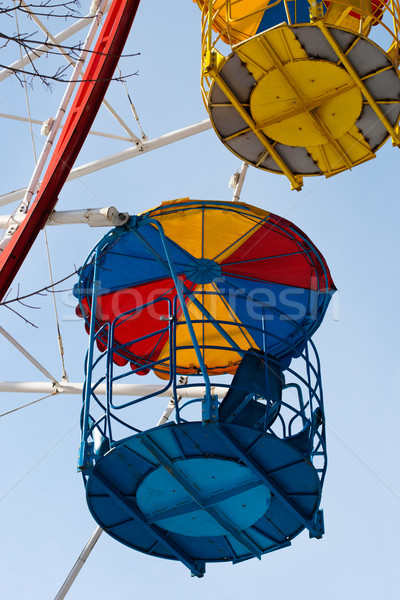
pixel 221 306
pixel 305 90
pixel 205 289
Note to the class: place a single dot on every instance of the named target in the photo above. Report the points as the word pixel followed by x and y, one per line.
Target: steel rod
pixel 94 217
pixel 49 144
pixel 34 17
pixel 111 136
pixel 79 564
pixel 29 356
pixel 97 533
pixel 128 153
pixel 239 185
pixel 87 101
pixel 119 389
pixel 43 48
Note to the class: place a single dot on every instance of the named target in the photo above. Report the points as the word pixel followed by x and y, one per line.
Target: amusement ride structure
pixel 305 89
pixel 239 471
pixel 218 300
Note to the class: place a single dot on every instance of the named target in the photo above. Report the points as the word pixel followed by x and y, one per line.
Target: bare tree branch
pixel 44 9
pixel 22 317
pixel 28 42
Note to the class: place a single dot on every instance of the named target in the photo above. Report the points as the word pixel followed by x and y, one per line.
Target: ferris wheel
pixel 200 270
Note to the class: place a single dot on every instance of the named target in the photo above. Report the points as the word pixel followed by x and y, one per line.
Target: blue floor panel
pixel 200 493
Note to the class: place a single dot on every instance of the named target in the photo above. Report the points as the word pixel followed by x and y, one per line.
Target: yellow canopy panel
pixel 235 20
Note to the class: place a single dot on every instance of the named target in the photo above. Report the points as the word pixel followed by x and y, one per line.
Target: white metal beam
pixel 79 564
pixel 32 187
pixel 94 217
pixel 239 182
pixel 73 574
pixel 112 136
pixel 31 359
pixel 113 159
pixel 43 48
pixel 119 389
pixel 70 60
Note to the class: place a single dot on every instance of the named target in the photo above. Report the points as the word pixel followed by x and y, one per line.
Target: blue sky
pixel 352 218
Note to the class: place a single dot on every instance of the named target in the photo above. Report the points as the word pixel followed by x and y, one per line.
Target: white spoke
pixel 79 564
pixel 108 161
pixel 112 136
pixel 52 38
pixel 94 217
pixel 43 48
pixel 29 356
pixel 119 389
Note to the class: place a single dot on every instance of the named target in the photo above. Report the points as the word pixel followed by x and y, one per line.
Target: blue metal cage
pixel 238 470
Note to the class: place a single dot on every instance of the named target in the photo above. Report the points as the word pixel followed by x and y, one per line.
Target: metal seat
pixel 258 376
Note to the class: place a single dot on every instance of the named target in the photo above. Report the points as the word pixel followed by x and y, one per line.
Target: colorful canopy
pixel 246 18
pixel 249 279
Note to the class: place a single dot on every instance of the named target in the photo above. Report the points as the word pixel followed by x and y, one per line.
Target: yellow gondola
pixel 305 90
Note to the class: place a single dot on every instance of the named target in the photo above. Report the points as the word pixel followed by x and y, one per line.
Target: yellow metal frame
pixel 304 104
pixel 295 180
pixel 219 24
pixel 359 83
pixel 336 13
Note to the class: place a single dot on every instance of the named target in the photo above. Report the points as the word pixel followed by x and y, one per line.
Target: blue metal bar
pixel 262 258
pixel 277 544
pixel 111 379
pixel 110 367
pixel 193 401
pixel 266 369
pixel 129 453
pixel 192 505
pixel 312 527
pixel 152 364
pixel 215 513
pixel 277 530
pixel 83 455
pixel 173 370
pixel 169 266
pixel 311 395
pixel 178 286
pixel 196 567
pixel 299 333
pixel 142 306
pixel 241 326
pixel 301 404
pixel 210 319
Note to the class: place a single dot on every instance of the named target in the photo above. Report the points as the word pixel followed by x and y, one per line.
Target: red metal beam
pixel 84 109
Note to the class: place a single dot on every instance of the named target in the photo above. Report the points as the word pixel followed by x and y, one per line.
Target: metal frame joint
pixel 318 525
pixel 209 409
pixel 86 456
